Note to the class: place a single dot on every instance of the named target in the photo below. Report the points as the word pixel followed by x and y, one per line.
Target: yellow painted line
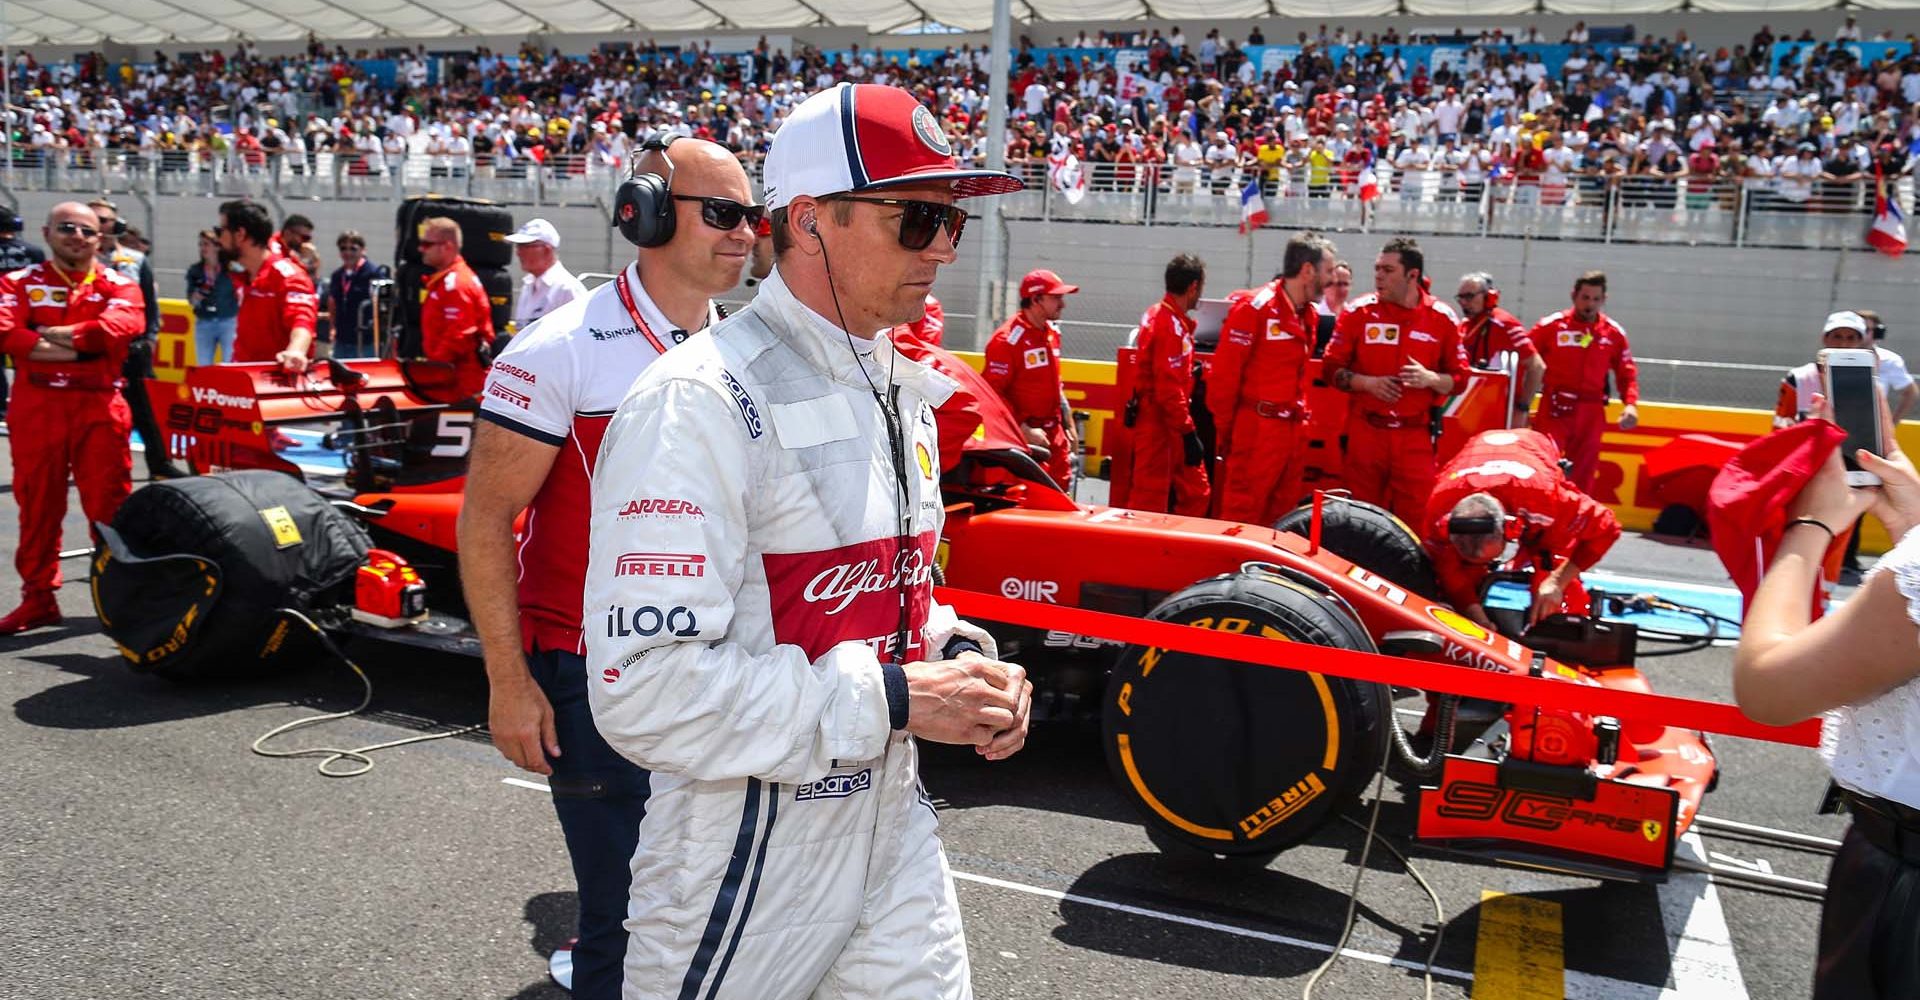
pixel 1518 953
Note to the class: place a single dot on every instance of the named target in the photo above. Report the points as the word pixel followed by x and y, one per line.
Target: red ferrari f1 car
pixel 1222 758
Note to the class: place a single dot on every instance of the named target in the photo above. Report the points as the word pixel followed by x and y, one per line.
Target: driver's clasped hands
pixel 970 700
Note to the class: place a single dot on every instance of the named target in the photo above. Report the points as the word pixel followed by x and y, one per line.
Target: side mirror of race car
pixel 1412 642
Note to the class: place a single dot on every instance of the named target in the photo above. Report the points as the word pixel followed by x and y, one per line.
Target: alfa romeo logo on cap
pixel 929 131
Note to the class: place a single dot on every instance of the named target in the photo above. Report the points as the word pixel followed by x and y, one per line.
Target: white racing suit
pixel 745 585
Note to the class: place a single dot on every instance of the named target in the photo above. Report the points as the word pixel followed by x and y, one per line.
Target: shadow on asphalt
pixel 1267 899
pixel 551 916
pixel 1062 769
pixel 410 689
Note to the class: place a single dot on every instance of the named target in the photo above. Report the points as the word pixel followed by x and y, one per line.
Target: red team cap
pixel 1044 282
pixel 866 137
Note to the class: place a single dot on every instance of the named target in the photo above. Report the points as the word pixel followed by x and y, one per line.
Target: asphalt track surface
pixel 145 852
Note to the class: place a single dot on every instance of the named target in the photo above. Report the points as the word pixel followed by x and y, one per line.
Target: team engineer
pixel 770 650
pixel 1257 388
pixel 278 308
pixel 66 323
pixel 547 402
pixel 1023 366
pixel 1397 352
pixel 1169 470
pixel 1582 345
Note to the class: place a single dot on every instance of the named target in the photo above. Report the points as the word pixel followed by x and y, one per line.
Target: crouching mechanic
pixel 769 652
pixel 66 323
pixel 1506 485
pixel 547 402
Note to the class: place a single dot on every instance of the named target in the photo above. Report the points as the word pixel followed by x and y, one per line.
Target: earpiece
pixel 813 227
pixel 643 207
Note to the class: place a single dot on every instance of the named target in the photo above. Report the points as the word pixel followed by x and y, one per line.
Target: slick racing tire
pixel 1240 761
pixel 1369 537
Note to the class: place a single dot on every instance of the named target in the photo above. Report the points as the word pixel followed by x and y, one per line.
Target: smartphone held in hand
pixel 1853 390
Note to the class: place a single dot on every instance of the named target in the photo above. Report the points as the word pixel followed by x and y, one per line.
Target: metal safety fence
pixel 1793 211
pixel 344 175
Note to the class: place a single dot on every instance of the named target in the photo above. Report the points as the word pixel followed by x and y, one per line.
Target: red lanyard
pixel 626 299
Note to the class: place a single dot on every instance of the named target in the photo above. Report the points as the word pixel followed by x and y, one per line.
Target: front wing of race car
pixel 1560 818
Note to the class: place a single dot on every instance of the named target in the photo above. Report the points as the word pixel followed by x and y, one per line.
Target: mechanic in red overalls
pixel 456 318
pixel 1506 485
pixel 932 327
pixel 1489 334
pixel 1169 461
pixel 279 310
pixel 66 323
pixel 1257 387
pixel 1023 366
pixel 1581 345
pixel 1396 351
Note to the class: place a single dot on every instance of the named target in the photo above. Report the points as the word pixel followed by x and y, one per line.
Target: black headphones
pixel 643 207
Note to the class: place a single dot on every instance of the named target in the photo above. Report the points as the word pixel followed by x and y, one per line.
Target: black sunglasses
pixel 725 213
pixel 76 229
pixel 920 220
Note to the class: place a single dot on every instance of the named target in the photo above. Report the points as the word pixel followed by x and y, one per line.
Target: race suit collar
pixel 824 344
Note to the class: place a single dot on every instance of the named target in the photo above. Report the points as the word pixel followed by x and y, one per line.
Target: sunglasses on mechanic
pixel 76 229
pixel 725 214
pixel 920 220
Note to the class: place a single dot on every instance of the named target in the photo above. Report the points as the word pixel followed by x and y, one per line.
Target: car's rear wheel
pixel 1369 536
pixel 1236 761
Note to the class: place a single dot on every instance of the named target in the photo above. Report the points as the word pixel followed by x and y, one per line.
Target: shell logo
pixel 1459 624
pixel 925 458
pixel 1383 333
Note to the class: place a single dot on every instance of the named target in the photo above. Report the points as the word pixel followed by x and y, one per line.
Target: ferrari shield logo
pixel 1650 829
pixel 1383 333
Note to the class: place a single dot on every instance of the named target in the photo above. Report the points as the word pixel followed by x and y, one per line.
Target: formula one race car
pixel 1222 758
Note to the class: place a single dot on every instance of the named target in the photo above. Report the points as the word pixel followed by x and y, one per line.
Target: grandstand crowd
pixel 1195 115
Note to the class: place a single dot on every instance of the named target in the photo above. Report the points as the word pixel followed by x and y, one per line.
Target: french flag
pixel 1253 207
pixel 1889 232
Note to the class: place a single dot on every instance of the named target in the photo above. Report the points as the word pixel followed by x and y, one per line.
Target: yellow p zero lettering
pixel 1126 698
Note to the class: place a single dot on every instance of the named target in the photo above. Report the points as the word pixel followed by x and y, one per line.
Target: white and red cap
pixel 865 137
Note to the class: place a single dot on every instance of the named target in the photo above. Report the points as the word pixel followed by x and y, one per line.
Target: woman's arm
pixel 1786 669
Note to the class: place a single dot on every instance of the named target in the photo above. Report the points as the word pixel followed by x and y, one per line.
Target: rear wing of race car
pixel 228 416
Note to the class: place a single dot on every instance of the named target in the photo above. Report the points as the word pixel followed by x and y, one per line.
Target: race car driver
pixel 1506 485
pixel 456 318
pixel 1023 366
pixel 278 307
pixel 1169 470
pixel 1495 338
pixel 1581 346
pixel 1257 388
pixel 547 402
pixel 1397 351
pixel 770 650
pixel 66 323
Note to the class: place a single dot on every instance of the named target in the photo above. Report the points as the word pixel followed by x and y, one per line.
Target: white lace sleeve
pixel 1874 746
